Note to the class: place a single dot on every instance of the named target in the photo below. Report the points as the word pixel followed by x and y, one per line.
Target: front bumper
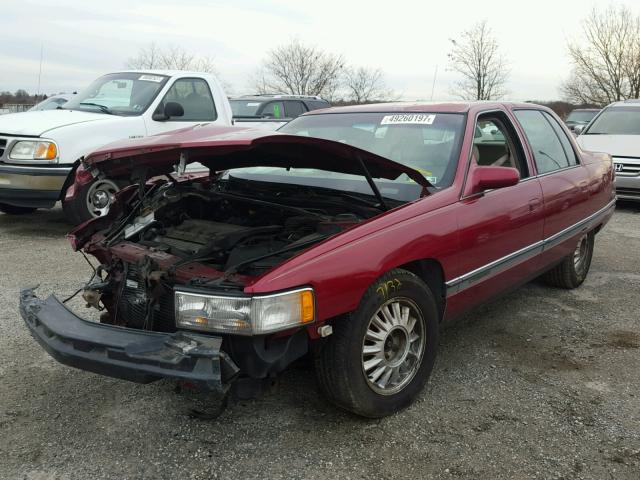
pixel 125 353
pixel 628 187
pixel 32 186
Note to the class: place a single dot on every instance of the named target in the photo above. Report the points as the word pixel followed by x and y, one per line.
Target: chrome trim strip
pixel 467 280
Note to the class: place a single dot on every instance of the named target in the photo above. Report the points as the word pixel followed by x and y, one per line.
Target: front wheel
pixel 91 201
pixel 15 210
pixel 380 357
pixel 573 269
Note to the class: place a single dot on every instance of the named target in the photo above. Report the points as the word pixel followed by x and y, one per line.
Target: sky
pixel 408 40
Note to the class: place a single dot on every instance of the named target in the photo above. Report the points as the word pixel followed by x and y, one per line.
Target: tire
pixel 14 210
pixel 573 269
pixel 90 201
pixel 348 362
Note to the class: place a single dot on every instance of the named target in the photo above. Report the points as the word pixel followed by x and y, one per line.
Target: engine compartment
pixel 227 229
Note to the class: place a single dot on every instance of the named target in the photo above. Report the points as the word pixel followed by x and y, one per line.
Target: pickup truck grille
pixel 134 305
pixel 627 166
pixel 3 146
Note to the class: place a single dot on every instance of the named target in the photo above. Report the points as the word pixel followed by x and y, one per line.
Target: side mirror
pixel 578 129
pixel 490 178
pixel 171 109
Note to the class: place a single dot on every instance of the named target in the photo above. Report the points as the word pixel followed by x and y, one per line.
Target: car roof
pixel 403 107
pixel 632 102
pixel 585 110
pixel 169 73
pixel 267 97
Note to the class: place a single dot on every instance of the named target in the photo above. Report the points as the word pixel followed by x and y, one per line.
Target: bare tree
pixel 299 69
pixel 366 85
pixel 170 58
pixel 606 62
pixel 476 57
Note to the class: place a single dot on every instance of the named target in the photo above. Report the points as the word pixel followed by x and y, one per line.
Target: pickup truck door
pixel 196 99
pixel 500 231
pixel 564 181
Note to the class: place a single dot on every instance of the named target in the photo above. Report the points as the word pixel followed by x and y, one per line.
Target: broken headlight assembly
pixel 244 315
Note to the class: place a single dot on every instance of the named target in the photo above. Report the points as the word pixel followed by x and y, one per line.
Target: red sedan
pixel 352 234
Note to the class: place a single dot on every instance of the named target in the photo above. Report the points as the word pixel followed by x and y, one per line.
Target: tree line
pixel 604 67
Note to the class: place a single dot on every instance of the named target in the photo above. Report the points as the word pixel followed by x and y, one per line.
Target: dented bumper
pixel 129 354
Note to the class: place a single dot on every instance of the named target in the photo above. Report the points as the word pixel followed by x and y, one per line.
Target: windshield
pixel 119 94
pixel 427 142
pixel 581 116
pixel 616 121
pixel 244 108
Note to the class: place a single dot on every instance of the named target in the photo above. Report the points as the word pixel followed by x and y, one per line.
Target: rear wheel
pixel 379 358
pixel 573 269
pixel 91 201
pixel 15 210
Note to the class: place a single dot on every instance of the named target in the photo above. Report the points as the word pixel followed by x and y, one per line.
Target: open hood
pixel 223 148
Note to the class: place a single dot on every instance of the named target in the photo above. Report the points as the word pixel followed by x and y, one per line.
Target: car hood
pixel 224 148
pixel 614 145
pixel 38 123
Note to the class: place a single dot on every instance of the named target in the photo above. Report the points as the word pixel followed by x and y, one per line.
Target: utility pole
pixel 40 71
pixel 433 85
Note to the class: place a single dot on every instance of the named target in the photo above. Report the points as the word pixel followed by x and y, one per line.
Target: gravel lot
pixel 542 383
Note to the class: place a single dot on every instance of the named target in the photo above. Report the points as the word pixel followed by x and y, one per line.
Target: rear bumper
pixel 27 186
pixel 135 355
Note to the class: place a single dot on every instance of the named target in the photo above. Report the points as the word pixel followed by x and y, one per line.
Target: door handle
pixel 534 204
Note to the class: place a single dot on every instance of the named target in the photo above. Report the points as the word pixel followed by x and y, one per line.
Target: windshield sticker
pixel 408 119
pixel 151 78
pixel 432 180
pixel 253 104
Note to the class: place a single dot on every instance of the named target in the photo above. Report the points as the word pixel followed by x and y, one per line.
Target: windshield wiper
pixel 102 108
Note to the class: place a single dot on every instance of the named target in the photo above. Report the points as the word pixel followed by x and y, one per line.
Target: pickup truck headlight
pixel 251 315
pixel 34 150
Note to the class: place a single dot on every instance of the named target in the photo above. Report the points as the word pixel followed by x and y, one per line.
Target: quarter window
pixel 548 151
pixel 196 100
pixel 294 108
pixel 566 144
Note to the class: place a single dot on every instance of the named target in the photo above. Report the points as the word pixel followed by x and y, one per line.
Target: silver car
pixel 616 131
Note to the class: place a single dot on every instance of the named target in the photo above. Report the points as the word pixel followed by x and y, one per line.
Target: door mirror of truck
pixel 578 129
pixel 171 109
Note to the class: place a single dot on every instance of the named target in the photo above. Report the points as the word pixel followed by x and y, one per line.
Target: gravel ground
pixel 542 383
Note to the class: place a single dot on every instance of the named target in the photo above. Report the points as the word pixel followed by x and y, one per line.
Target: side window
pixel 294 108
pixel 548 152
pixel 566 144
pixel 496 144
pixel 196 100
pixel 273 110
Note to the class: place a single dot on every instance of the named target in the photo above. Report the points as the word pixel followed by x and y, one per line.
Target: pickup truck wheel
pixel 379 358
pixel 573 270
pixel 14 210
pixel 91 201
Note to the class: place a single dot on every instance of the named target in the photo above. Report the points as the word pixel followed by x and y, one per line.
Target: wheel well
pixel 69 180
pixel 430 272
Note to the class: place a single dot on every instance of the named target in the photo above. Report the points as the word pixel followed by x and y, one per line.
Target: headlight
pixel 33 150
pixel 245 315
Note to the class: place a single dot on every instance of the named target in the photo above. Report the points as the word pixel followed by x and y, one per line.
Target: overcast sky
pixel 408 40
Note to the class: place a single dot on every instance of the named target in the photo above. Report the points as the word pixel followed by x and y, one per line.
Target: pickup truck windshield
pixel 616 121
pixel 427 142
pixel 119 94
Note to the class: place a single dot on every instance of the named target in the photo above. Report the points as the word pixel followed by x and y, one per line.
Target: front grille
pixel 134 305
pixel 628 192
pixel 627 166
pixel 3 146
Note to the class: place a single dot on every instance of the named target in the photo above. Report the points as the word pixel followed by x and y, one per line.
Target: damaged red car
pixel 351 235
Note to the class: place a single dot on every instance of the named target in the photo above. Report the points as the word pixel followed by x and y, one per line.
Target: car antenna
pixel 372 184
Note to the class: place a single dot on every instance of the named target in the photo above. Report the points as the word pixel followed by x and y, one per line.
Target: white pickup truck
pixel 40 150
